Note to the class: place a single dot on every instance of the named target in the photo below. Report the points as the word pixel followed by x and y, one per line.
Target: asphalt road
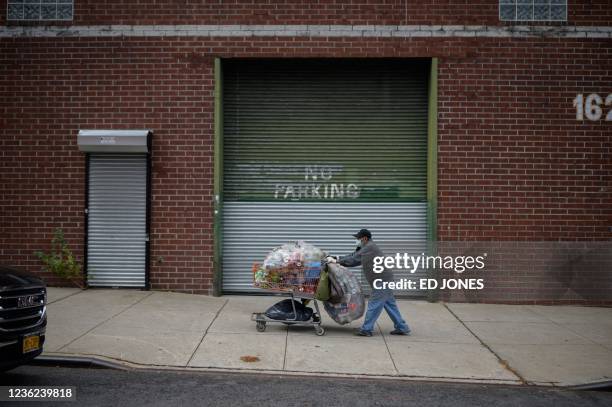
pixel 107 387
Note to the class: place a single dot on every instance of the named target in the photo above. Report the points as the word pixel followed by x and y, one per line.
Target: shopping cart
pixel 299 282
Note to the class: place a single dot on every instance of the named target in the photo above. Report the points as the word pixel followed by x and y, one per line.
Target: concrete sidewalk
pixel 543 345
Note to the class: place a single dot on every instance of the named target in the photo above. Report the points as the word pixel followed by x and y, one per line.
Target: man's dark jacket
pixel 365 257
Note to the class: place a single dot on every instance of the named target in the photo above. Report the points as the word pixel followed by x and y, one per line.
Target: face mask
pixel 358 242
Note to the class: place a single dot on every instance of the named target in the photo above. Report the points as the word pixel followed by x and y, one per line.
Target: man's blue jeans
pixel 380 299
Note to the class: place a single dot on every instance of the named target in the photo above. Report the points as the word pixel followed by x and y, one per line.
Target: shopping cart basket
pixel 299 282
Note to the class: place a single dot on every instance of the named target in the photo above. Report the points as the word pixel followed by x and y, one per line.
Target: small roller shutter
pixel 318 149
pixel 116 229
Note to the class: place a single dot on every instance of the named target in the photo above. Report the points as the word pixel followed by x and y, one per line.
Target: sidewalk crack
pixel 388 350
pixel 562 326
pixel 286 343
pixel 105 321
pixel 206 332
pixel 68 296
pixel 501 361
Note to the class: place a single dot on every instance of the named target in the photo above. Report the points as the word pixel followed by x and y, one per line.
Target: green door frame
pixel 432 173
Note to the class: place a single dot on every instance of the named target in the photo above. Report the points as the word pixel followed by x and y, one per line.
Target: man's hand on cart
pixel 331 259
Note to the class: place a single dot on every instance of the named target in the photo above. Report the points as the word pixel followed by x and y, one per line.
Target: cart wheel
pixel 320 330
pixel 261 326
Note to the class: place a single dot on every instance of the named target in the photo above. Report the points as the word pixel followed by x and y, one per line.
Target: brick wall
pixel 55 88
pixel 396 12
pixel 514 164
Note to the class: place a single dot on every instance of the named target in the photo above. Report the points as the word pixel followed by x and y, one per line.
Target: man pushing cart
pixel 380 299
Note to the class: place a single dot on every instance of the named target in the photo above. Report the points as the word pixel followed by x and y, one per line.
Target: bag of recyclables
pixel 348 303
pixel 297 253
pixel 296 265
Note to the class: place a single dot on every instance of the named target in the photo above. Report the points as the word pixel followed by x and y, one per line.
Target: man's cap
pixel 363 233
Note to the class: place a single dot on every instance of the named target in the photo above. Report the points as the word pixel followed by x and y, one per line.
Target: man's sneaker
pixel 363 333
pixel 398 332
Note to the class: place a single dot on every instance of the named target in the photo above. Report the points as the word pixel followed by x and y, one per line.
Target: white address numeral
pixel 591 107
pixel 579 105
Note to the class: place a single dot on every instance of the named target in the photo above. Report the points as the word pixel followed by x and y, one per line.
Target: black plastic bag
pixel 283 310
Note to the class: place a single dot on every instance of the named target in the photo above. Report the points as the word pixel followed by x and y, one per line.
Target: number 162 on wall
pixel 591 107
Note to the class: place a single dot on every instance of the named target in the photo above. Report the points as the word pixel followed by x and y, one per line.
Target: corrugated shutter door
pixel 317 149
pixel 116 238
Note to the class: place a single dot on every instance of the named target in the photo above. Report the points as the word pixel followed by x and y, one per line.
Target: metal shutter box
pixel 116 226
pixel 316 150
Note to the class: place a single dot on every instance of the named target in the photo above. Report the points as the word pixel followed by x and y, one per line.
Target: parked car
pixel 23 317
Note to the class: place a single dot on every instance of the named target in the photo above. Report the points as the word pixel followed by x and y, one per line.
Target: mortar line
pixel 206 331
pixel 106 320
pixel 388 350
pixel 502 362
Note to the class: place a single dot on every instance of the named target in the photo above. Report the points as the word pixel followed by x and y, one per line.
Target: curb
pixel 102 362
pixel 75 361
pixel 597 386
pixel 99 363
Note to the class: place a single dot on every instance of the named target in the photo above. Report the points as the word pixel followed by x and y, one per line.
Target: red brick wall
pixel 396 12
pixel 513 161
pixel 56 87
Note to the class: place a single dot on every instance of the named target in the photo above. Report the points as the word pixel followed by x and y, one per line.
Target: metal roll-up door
pixel 116 226
pixel 316 150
